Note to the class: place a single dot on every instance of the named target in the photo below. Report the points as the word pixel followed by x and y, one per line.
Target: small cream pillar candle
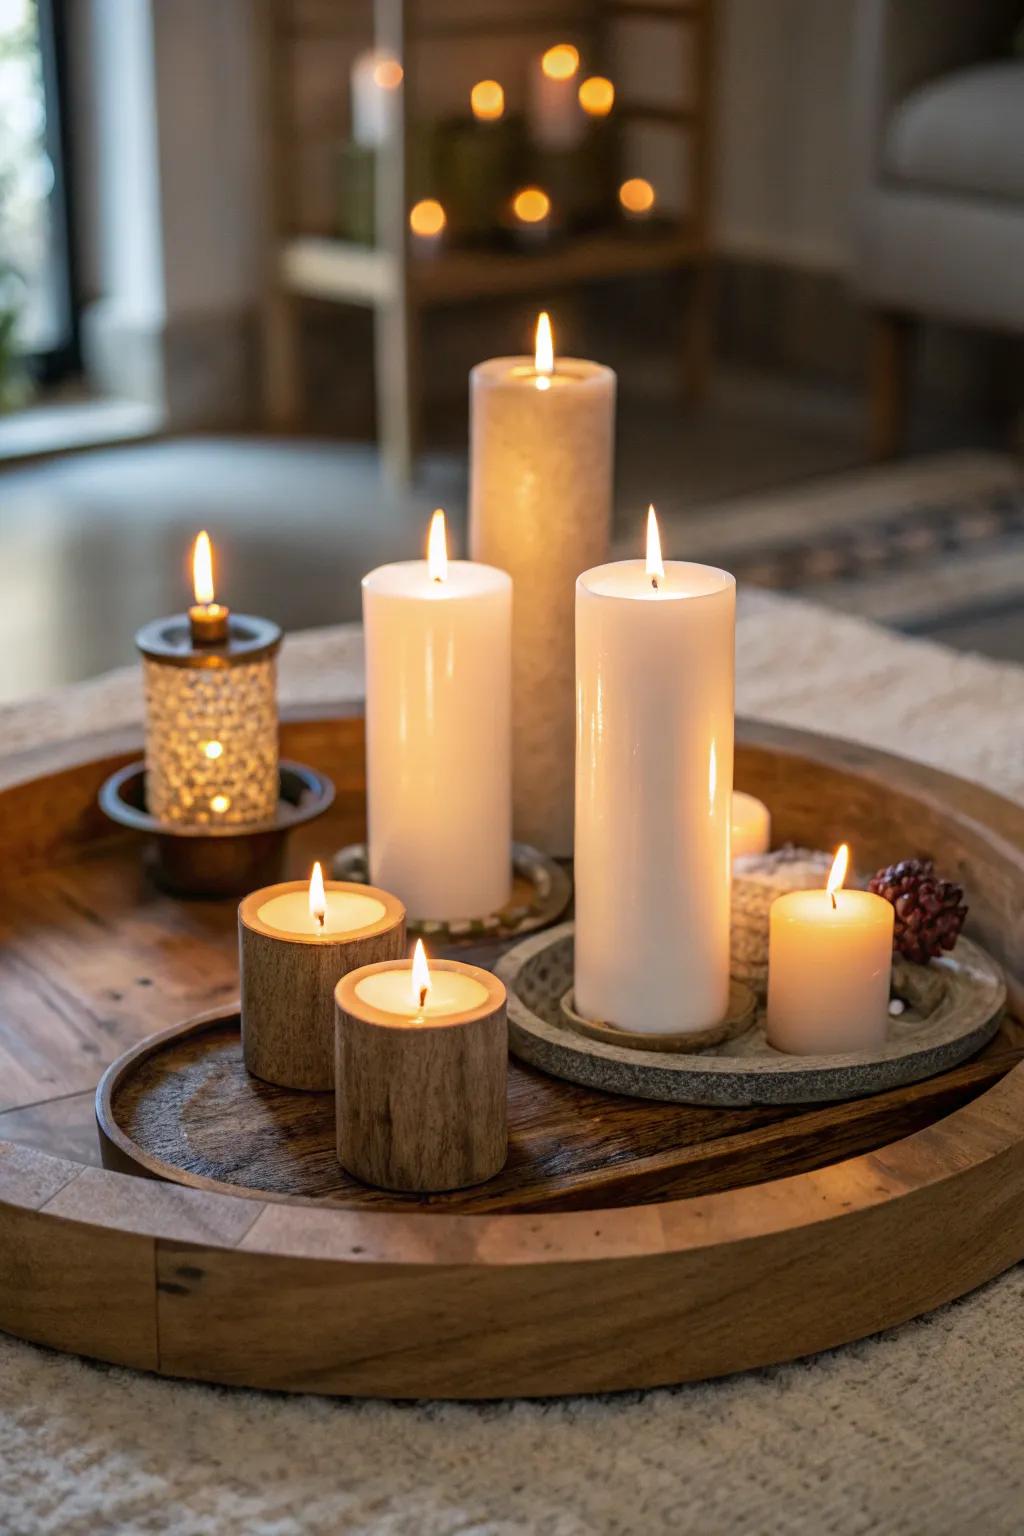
pixel 421 1071
pixel 654 678
pixel 829 969
pixel 751 825
pixel 438 667
pixel 294 942
pixel 542 435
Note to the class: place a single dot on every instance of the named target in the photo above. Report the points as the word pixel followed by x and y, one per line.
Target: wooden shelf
pixel 317 268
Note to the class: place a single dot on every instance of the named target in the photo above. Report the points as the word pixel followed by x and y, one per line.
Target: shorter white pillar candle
pixel 438 701
pixel 751 825
pixel 829 969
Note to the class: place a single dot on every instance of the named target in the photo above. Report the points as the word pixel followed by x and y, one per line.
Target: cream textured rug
pixel 917 1433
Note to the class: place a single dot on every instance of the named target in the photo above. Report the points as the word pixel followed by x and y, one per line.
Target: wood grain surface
pixel 184 1108
pixel 244 1289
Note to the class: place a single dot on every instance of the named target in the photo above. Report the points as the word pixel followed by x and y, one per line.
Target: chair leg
pixel 891 357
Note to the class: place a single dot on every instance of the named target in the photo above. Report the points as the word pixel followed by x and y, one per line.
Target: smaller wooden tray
pixel 746 1070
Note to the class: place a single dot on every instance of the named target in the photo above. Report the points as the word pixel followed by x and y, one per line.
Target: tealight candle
pixel 295 941
pixel 540 508
pixel 751 825
pixel 421 1072
pixel 210 681
pixel 654 749
pixel 438 674
pixel 829 968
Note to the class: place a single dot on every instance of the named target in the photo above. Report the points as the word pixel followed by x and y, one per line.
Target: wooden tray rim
pixel 799 1250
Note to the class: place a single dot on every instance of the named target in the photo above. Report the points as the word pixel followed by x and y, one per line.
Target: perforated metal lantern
pixel 211 719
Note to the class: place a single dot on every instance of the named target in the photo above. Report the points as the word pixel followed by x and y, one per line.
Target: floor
pixel 94 544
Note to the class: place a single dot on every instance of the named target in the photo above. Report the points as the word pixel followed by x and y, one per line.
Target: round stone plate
pixel 541 891
pixel 746 1070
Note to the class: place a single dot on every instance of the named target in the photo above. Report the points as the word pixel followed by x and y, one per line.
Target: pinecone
pixel 929 912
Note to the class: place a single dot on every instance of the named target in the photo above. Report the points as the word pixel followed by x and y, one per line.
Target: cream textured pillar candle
pixel 439 809
pixel 829 969
pixel 654 758
pixel 540 508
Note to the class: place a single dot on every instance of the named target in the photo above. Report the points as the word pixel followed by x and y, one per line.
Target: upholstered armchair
pixel 938 179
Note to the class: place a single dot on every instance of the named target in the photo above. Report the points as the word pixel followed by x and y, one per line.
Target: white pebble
pixel 896 1007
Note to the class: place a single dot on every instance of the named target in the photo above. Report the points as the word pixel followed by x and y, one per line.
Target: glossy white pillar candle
pixel 829 969
pixel 542 432
pixel 654 759
pixel 438 669
pixel 751 825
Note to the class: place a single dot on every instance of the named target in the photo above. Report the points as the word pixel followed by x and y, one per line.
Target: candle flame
pixel 420 975
pixel 317 896
pixel 560 62
pixel 437 548
pixel 655 564
pixel 202 570
pixel 544 350
pixel 838 872
pixel 487 99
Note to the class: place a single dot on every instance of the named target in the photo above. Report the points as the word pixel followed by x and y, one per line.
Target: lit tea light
pixel 422 1064
pixel 637 198
pixel 487 101
pixel 596 96
pixel 295 940
pixel 654 749
pixel 829 968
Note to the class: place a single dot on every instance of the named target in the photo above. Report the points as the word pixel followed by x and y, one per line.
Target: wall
pixel 781 131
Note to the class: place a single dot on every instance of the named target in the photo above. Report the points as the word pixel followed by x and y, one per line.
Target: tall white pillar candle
pixel 654 757
pixel 829 969
pixel 540 508
pixel 438 662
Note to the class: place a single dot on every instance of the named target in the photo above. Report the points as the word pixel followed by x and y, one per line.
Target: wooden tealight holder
pixel 288 981
pixel 422 1103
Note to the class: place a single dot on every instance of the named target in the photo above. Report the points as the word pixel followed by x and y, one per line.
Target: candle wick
pixel 654 583
pixel 833 895
pixel 320 919
pixel 423 997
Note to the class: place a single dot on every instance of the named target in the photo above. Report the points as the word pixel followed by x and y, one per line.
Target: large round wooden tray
pixel 640 1252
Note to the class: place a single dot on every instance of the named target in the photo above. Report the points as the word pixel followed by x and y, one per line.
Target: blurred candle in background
pixel 375 78
pixel 596 96
pixel 637 199
pixel 427 221
pixel 438 637
pixel 542 433
pixel 487 101
pixel 555 118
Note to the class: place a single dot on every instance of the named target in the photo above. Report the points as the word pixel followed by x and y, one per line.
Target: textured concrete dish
pixel 746 1070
